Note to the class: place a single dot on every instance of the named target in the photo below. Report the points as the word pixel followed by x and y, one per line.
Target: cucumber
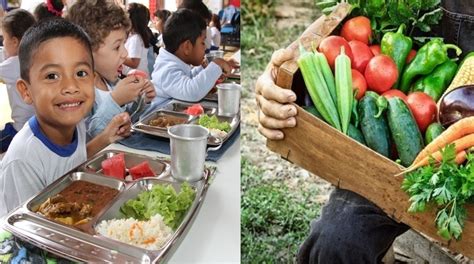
pixel 433 131
pixel 312 110
pixel 405 131
pixel 355 134
pixel 374 129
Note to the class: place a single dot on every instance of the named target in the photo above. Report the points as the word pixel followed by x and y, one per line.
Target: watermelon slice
pixel 115 166
pixel 141 170
pixel 195 110
pixel 138 73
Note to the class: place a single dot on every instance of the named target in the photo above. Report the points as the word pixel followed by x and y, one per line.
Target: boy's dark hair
pixel 140 16
pixel 183 25
pixel 44 31
pixel 16 22
pixel 198 7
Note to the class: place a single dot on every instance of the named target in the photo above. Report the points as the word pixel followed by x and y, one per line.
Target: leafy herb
pixel 213 122
pixel 163 200
pixel 447 186
pixel 388 15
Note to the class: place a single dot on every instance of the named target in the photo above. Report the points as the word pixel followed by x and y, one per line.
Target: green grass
pixel 274 219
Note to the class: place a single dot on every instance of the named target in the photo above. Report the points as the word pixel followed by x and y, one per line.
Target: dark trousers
pixel 351 229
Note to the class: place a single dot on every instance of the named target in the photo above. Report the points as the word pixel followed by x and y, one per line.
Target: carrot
pixel 458 130
pixel 460 157
pixel 460 145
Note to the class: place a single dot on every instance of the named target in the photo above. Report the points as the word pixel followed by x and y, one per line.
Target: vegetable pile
pixel 213 122
pixel 380 86
pixel 163 200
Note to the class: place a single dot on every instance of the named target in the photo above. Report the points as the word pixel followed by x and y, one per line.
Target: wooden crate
pixel 326 152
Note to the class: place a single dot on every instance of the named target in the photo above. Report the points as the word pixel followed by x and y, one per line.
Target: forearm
pixel 97 144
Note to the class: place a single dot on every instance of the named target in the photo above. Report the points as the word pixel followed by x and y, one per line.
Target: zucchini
pixel 355 134
pixel 405 131
pixel 432 132
pixel 374 129
pixel 312 110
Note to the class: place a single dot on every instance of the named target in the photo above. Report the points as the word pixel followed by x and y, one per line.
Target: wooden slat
pixel 345 163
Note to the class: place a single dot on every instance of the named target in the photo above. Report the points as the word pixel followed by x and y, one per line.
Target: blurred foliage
pixel 274 219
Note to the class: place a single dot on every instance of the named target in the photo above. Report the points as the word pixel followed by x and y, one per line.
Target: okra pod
pixel 328 75
pixel 344 89
pixel 317 88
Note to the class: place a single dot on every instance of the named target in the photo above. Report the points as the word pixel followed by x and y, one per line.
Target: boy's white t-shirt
pixel 9 74
pixel 136 49
pixel 215 37
pixel 32 162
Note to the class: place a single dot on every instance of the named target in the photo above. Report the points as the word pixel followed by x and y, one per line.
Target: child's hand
pixel 149 91
pixel 128 89
pixel 226 68
pixel 118 128
pixel 233 63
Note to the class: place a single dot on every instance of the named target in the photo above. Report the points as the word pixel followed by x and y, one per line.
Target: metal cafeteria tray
pixel 210 108
pixel 142 125
pixel 85 244
pixel 159 166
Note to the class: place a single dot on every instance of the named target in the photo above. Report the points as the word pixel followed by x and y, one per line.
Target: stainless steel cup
pixel 214 54
pixel 228 98
pixel 188 144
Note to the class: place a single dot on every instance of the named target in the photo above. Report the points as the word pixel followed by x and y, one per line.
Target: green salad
pixel 213 122
pixel 163 200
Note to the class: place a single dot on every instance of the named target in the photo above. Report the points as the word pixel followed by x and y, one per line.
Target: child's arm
pixel 128 89
pixel 177 84
pixel 118 128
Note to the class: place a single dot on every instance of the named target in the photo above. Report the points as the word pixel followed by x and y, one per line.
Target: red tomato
pixel 331 47
pixel 357 28
pixel 423 108
pixel 381 73
pixel 137 73
pixel 362 55
pixel 376 50
pixel 395 93
pixel 410 56
pixel 359 83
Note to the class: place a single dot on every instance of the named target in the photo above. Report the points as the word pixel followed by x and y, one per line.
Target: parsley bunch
pixel 448 186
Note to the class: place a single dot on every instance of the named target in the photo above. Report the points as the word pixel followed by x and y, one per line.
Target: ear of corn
pixel 465 74
pixel 344 89
pixel 317 87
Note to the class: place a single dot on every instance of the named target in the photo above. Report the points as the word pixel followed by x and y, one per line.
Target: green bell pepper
pixel 432 54
pixel 437 81
pixel 397 46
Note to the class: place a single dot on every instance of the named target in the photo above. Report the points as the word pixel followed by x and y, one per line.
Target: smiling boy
pixel 174 75
pixel 57 78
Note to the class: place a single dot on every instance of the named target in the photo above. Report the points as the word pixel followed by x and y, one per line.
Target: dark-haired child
pixel 14 25
pixel 174 75
pixel 57 78
pixel 138 40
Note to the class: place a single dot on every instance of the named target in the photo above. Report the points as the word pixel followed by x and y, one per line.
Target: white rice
pixel 151 234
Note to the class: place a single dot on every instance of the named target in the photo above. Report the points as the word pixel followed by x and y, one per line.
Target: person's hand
pixel 226 68
pixel 128 89
pixel 118 128
pixel 274 103
pixel 233 63
pixel 149 91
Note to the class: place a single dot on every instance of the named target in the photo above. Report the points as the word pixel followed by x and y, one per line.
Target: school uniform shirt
pixel 215 37
pixel 103 110
pixel 9 74
pixel 33 161
pixel 136 49
pixel 174 79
